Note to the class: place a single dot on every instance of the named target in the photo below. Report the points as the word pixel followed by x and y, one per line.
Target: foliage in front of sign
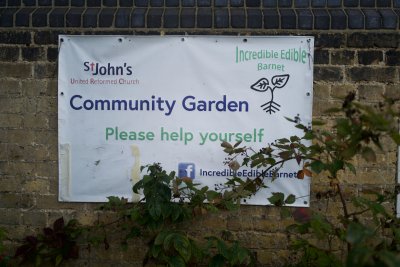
pixel 167 203
pixel 368 233
pixel 263 85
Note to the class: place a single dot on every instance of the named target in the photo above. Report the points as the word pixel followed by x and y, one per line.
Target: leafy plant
pixel 358 132
pixel 54 244
pixel 169 201
pixel 368 233
pixel 229 255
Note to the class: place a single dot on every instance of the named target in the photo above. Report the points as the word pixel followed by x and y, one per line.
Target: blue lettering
pixel 71 102
pixel 190 103
pixel 86 64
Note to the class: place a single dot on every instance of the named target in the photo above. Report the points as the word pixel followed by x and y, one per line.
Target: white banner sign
pixel 127 101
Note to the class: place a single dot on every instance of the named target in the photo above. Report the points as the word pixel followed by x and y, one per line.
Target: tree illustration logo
pixel 263 85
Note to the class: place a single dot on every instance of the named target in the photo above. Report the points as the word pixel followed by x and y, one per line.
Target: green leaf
pixel 137 187
pixel 176 261
pixel 285 212
pixel 38 260
pixel 217 261
pixel 335 166
pixel 350 167
pixel 343 127
pixel 166 210
pixel 389 258
pixel 155 251
pixel 171 175
pixel 290 199
pixel 396 137
pixel 134 232
pixel 277 198
pixel 320 226
pixel 228 150
pixel 290 119
pixel 294 138
pixel 270 161
pixel 237 144
pixel 301 127
pixel 159 240
pixel 2 234
pixel 239 150
pixel 176 212
pixel 182 245
pixel 222 249
pixel 317 166
pixel 357 233
pixel 375 207
pixel 256 162
pixel 168 241
pixel 203 190
pixel 154 209
pixel 283 141
pixel 309 135
pixel 285 154
pixel 197 253
pixel 59 259
pixel 211 195
pixel 230 205
pixel 226 145
pixel 359 256
pixel 135 214
pixel 147 179
pixel 299 228
pixel 349 152
pixel 242 255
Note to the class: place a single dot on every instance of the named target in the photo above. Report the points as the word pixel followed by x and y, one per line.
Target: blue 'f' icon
pixel 186 170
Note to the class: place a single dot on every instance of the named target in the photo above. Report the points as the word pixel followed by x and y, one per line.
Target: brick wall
pixel 356 49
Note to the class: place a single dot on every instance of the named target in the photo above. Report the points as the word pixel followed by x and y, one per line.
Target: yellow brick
pixel 321 91
pixel 369 92
pixel 275 257
pixel 36 186
pixel 254 240
pixel 33 87
pixel 320 107
pixel 36 121
pixel 34 218
pixel 16 70
pixel 10 216
pixel 10 87
pixel 392 91
pixel 51 202
pixel 342 90
pixel 10 184
pixel 11 120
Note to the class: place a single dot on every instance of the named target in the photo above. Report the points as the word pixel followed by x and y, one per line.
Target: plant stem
pixel 345 211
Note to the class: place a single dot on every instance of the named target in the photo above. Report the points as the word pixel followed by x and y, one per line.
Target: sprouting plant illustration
pixel 262 85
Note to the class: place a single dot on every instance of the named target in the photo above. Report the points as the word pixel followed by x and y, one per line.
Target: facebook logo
pixel 186 170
